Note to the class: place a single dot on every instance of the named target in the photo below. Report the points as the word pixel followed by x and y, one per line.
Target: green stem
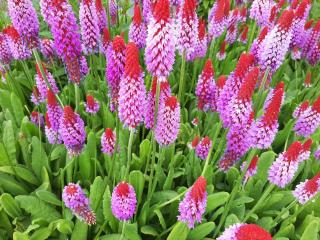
pixel 176 198
pixel 260 201
pixel 283 211
pixel 211 49
pixel 261 87
pixel 233 193
pixel 122 231
pixel 129 154
pixel 252 35
pixel 100 230
pixel 77 97
pixel 181 82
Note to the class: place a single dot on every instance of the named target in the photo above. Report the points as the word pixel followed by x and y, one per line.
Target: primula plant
pixel 160 119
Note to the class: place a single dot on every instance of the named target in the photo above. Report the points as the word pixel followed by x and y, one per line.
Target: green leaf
pixel 161 219
pixel 9 141
pixel 131 231
pixel 39 157
pixel 20 236
pixel 112 237
pixel 22 172
pixel 180 231
pixel 38 208
pixel 85 164
pixel 10 185
pixel 264 164
pixel 149 230
pixel 17 108
pixel 10 206
pixel 136 179
pixel 91 145
pixel 201 231
pixel 80 231
pixel 231 219
pixel 216 200
pixel 96 193
pixel 40 234
pixel 311 232
pixel 48 197
pixel 4 160
pixel 64 226
pixel 107 213
pixel 5 100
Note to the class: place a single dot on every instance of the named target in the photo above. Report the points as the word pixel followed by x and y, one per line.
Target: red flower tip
pixel 247 88
pixel 293 151
pixel 38 69
pixel 294 4
pixel 162 10
pixel 312 185
pixel 195 141
pixel 244 33
pixel 118 43
pixel 299 14
pixel 47 121
pixel 273 13
pixel 285 20
pixel 106 36
pixel 132 66
pixel 307 81
pixel 35 92
pixel 226 7
pixel 307 145
pixel 69 115
pixel 245 61
pixel 223 45
pixel 317 26
pixel 316 105
pixel 252 232
pixel 220 10
pixel 243 12
pixel 90 101
pixel 137 19
pixel 34 114
pixel 99 5
pixel 271 114
pixel 280 4
pixel 172 102
pixel 163 86
pixel 87 2
pixel 108 133
pixel 263 34
pixel 206 140
pixel 51 98
pixel 198 189
pixel 221 81
pixel 279 85
pixel 235 12
pixel 202 29
pixel 254 162
pixel 189 8
pixel 208 69
pixel 123 189
pixel 304 105
pixel 308 24
pixel 12 33
pixel 71 189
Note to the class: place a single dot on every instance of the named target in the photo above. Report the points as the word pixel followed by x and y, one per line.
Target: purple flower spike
pixel 257 42
pixel 168 122
pixel 37 118
pixel 113 9
pixel 138 31
pixel 123 201
pixel 252 169
pixel 52 135
pixel 47 48
pixel 90 31
pixel 300 109
pixel 202 41
pixel 108 141
pixel 17 47
pixel 243 231
pixel 132 93
pixel 261 11
pixel 91 105
pixel 41 83
pixel 317 154
pixel 309 120
pixel 203 148
pixel 160 45
pixel 193 206
pixel 217 18
pixel 54 111
pixel 24 19
pixel 5 53
pixel 285 166
pixel 307 189
pixel 75 199
pixel 72 131
pixel 101 14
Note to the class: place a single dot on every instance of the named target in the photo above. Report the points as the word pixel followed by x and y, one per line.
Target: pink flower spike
pixel 108 141
pixel 307 189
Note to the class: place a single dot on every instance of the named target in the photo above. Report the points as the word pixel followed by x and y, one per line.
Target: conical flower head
pixel 105 41
pixel 221 55
pixel 115 69
pixel 101 14
pixel 193 206
pixel 24 19
pixel 203 148
pixel 165 92
pixel 72 131
pixel 18 49
pixel 47 48
pixel 309 120
pixel 108 141
pixel 244 35
pixel 123 201
pixel 168 121
pixel 41 83
pixel 92 106
pixel 261 11
pixel 300 109
pixel 113 9
pixel 52 135
pixel 75 199
pixel 205 87
pixel 307 189
pixel 217 19
pixel 54 111
pixel 276 43
pixel 254 49
pixel 35 96
pixel 37 118
pixel 285 166
pixel 305 150
pixel 160 44
pixel 221 81
pixel 5 52
pixel 90 32
pixel 263 131
pixel 243 231
pixel 132 91
pixel 202 40
pixel 252 169
pixel 137 30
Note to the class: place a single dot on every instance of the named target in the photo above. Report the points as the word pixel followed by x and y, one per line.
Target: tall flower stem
pixel 176 198
pixel 181 82
pixel 260 201
pixel 122 231
pixel 77 97
pixel 250 40
pixel 211 48
pixel 283 211
pixel 210 151
pixel 233 193
pixel 153 142
pixel 129 153
pixel 260 91
pixel 44 76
